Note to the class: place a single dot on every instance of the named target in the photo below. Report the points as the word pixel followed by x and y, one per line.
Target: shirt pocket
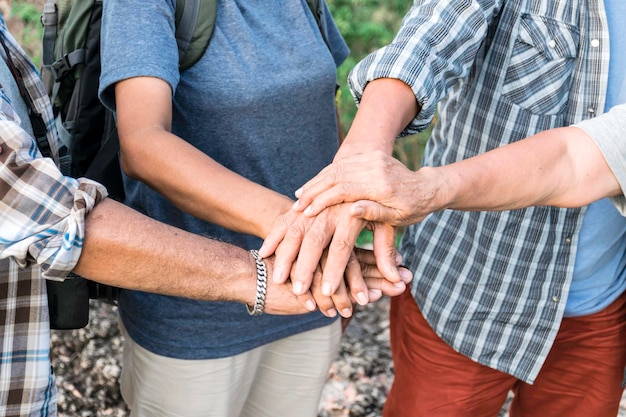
pixel 542 63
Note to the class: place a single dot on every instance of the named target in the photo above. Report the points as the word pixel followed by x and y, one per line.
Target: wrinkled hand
pixel 381 187
pixel 281 300
pixel 377 284
pixel 294 237
pixel 340 301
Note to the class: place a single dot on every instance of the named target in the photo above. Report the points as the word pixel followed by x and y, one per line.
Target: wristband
pixel 261 286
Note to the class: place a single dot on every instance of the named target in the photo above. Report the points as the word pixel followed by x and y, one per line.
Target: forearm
pixel 560 167
pixel 386 107
pixel 190 179
pixel 198 185
pixel 150 256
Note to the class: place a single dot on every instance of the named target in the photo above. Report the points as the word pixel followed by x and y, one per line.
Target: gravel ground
pixel 87 364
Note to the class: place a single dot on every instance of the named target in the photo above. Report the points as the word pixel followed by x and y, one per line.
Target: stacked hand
pixel 316 249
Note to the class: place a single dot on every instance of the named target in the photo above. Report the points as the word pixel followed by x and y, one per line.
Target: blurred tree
pixel 368 25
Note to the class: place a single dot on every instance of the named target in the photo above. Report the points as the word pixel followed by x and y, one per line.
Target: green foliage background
pixel 368 25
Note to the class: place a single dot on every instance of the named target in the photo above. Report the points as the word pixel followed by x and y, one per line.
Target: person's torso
pixel 600 268
pixel 261 103
pixel 29 388
pixel 494 284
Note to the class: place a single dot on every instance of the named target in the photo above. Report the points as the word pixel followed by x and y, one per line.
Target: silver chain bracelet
pixel 261 286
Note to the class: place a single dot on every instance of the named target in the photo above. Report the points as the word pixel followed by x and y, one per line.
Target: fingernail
pixel 346 312
pixel 298 288
pixel 327 288
pixel 277 277
pixel 398 258
pixel 361 298
pixel 309 305
pixel 308 210
pixel 400 285
pixel 406 275
pixel 331 313
pixel 298 192
pixel 296 205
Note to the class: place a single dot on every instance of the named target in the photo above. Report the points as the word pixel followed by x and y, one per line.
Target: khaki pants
pixel 281 379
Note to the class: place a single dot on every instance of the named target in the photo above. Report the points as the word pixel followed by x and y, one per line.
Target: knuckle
pixel 294 232
pixel 317 238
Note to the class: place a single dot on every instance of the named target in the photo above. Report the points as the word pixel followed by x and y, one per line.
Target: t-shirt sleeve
pixel 609 133
pixel 338 47
pixel 138 39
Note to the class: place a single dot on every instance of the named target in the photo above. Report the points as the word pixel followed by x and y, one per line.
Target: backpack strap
pixel 195 21
pixel 36 119
pixel 49 20
pixel 316 9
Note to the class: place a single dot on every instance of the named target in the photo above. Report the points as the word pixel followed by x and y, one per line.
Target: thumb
pixel 374 212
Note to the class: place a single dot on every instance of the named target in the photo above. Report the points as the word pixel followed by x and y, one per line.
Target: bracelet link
pixel 261 286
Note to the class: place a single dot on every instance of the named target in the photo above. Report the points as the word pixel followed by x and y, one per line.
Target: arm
pixel 201 186
pixel 154 257
pixel 386 108
pixel 427 56
pixel 63 224
pixel 560 167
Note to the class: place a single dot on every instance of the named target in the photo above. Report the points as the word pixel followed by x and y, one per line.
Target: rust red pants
pixel 582 376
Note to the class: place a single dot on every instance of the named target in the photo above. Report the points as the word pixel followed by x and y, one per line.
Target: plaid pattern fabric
pixel 41 233
pixel 494 285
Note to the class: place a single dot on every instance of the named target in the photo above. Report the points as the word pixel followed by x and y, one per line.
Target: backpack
pixel 89 144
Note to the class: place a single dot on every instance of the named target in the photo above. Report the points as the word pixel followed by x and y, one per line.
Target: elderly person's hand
pixel 292 237
pixel 381 187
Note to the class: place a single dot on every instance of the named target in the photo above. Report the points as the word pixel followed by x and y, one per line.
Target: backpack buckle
pixel 49 17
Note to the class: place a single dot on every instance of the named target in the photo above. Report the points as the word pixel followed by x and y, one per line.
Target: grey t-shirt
pixel 260 102
pixel 609 133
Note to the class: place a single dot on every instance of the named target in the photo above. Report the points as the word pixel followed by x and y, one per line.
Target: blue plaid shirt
pixel 41 233
pixel 494 285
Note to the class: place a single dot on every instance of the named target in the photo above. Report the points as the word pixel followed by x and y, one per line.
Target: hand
pixel 279 298
pixel 383 189
pixel 340 301
pixel 377 284
pixel 293 236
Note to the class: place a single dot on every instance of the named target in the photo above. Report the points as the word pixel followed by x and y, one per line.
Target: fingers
pixel 337 194
pixel 375 212
pixel 385 251
pixel 376 282
pixel 339 253
pixel 360 171
pixel 284 240
pixel 310 252
pixel 321 182
pixel 355 282
pixel 276 235
pixel 325 303
pixel 342 301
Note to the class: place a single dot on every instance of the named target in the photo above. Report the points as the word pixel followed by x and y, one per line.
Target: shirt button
pixel 568 240
pixel 595 43
pixel 552 43
pixel 591 110
pixel 555 298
